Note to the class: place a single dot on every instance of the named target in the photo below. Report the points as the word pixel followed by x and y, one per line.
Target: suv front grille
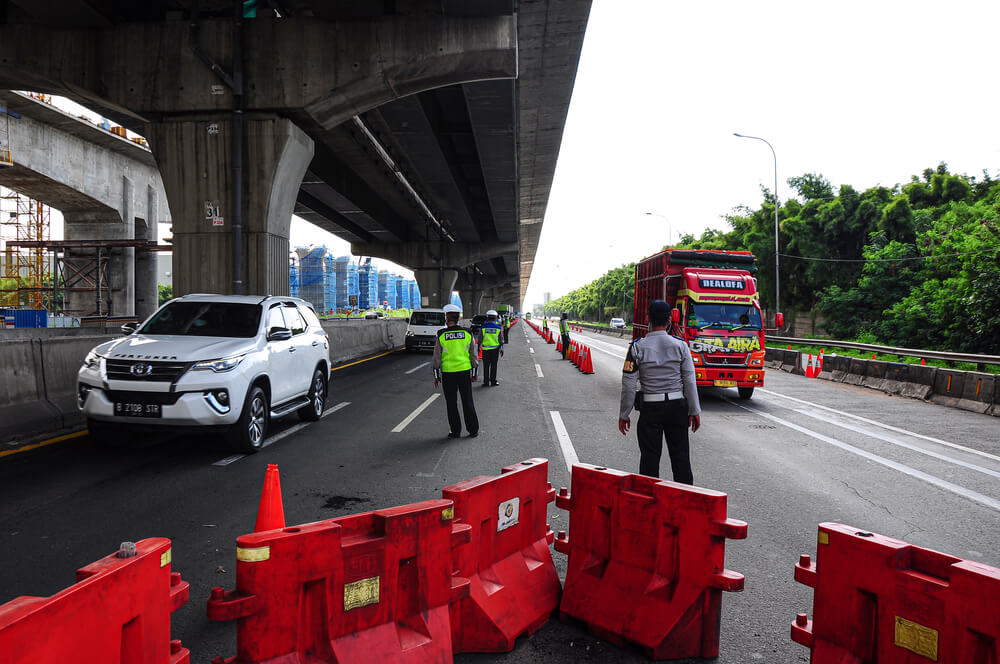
pixel 164 372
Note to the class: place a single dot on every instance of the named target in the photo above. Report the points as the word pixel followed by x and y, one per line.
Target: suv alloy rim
pixel 318 393
pixel 256 421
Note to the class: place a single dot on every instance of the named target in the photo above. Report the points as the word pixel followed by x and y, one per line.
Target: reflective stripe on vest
pixel 491 338
pixel 455 350
pixel 564 328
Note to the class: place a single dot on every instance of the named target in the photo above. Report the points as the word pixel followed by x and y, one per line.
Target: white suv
pixel 210 361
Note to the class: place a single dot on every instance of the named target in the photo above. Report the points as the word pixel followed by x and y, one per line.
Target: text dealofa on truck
pixel 716 311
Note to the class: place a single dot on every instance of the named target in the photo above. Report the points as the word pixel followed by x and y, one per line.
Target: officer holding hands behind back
pixel 455 365
pixel 668 403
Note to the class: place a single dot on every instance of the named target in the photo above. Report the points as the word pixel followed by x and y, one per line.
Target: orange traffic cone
pixel 923 362
pixel 271 512
pixel 587 366
pixel 873 356
pixel 559 345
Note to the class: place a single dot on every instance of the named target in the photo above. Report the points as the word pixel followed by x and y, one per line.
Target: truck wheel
pixel 745 392
pixel 317 398
pixel 248 434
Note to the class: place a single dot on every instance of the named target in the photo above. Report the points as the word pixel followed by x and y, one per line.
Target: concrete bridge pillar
pixel 436 285
pixel 195 161
pixel 97 225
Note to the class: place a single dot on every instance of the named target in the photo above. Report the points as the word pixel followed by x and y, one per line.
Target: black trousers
pixel 659 419
pixel 565 345
pixel 454 383
pixel 490 360
pixel 506 333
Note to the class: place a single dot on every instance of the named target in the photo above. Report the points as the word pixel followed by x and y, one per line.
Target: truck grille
pixel 165 372
pixel 726 360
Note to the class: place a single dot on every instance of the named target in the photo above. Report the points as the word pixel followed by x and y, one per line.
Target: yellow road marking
pixel 50 441
pixel 367 359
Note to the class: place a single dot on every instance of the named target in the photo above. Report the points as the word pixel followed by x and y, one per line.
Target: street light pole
pixel 670 232
pixel 777 279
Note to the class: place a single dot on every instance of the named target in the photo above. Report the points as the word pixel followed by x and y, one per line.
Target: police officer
pixel 669 401
pixel 545 323
pixel 456 365
pixel 506 328
pixel 492 348
pixel 564 331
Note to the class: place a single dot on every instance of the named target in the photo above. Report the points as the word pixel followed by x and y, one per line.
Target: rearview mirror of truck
pixel 675 315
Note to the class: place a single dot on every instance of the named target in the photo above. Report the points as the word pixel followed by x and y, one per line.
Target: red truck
pixel 716 310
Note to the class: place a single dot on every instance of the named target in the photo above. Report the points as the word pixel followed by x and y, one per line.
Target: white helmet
pixel 452 309
pixel 491 312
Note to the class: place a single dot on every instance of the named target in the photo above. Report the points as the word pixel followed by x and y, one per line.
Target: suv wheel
pixel 317 398
pixel 248 434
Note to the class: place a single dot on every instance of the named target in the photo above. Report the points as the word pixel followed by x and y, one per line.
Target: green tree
pixel 166 292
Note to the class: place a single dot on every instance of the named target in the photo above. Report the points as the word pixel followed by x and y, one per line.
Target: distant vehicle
pixel 617 324
pixel 476 326
pixel 372 315
pixel 421 333
pixel 716 311
pixel 214 362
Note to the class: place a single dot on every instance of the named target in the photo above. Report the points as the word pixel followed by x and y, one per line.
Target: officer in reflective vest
pixel 668 403
pixel 545 323
pixel 456 365
pixel 564 331
pixel 506 328
pixel 492 348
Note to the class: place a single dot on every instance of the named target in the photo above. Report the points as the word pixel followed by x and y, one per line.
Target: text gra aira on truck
pixel 716 310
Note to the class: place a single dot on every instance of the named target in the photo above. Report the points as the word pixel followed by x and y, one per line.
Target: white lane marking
pixel 620 356
pixel 333 409
pixel 280 436
pixel 906 470
pixel 531 350
pixel 419 366
pixel 887 426
pixel 900 443
pixel 412 416
pixel 538 370
pixel 436 466
pixel 565 444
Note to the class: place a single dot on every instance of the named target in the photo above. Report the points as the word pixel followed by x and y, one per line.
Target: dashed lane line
pixel 281 436
pixel 412 416
pixel 889 427
pixel 538 370
pixel 531 350
pixel 419 366
pixel 565 444
pixel 974 496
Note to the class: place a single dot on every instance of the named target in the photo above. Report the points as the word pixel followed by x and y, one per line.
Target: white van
pixel 421 333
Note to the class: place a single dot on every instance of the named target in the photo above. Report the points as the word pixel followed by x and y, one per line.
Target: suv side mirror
pixel 779 320
pixel 129 328
pixel 279 334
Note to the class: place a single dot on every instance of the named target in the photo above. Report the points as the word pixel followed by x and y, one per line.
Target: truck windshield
pixel 726 316
pixel 433 318
pixel 205 319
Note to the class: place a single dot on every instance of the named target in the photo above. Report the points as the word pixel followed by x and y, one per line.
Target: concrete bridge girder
pixel 339 69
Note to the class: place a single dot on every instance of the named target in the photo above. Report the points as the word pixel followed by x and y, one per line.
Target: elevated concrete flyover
pixel 108 188
pixel 414 123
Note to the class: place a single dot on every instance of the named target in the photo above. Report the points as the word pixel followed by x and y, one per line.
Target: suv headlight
pixel 219 366
pixel 92 361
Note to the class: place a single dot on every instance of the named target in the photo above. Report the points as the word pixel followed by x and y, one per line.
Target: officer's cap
pixel 659 309
pixel 452 309
pixel 491 312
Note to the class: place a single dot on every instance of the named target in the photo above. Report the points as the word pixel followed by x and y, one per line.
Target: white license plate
pixel 725 383
pixel 126 409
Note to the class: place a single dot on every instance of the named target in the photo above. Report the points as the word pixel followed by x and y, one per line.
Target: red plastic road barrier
pixel 117 611
pixel 878 599
pixel 370 587
pixel 646 561
pixel 514 587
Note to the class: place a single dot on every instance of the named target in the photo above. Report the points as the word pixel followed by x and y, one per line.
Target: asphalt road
pixel 801 452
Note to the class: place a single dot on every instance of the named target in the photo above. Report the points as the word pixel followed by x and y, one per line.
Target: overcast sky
pixel 863 93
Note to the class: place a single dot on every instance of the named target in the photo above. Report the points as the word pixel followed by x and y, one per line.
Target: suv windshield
pixel 205 319
pixel 727 316
pixel 435 318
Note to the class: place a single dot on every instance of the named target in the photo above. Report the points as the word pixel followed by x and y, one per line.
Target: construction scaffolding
pixel 27 271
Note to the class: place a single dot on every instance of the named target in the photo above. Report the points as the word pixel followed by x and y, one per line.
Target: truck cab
pixel 716 297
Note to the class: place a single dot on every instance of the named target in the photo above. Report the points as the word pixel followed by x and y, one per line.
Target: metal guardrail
pixel 908 352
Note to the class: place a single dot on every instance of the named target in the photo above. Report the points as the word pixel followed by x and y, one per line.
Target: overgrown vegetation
pixel 914 265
